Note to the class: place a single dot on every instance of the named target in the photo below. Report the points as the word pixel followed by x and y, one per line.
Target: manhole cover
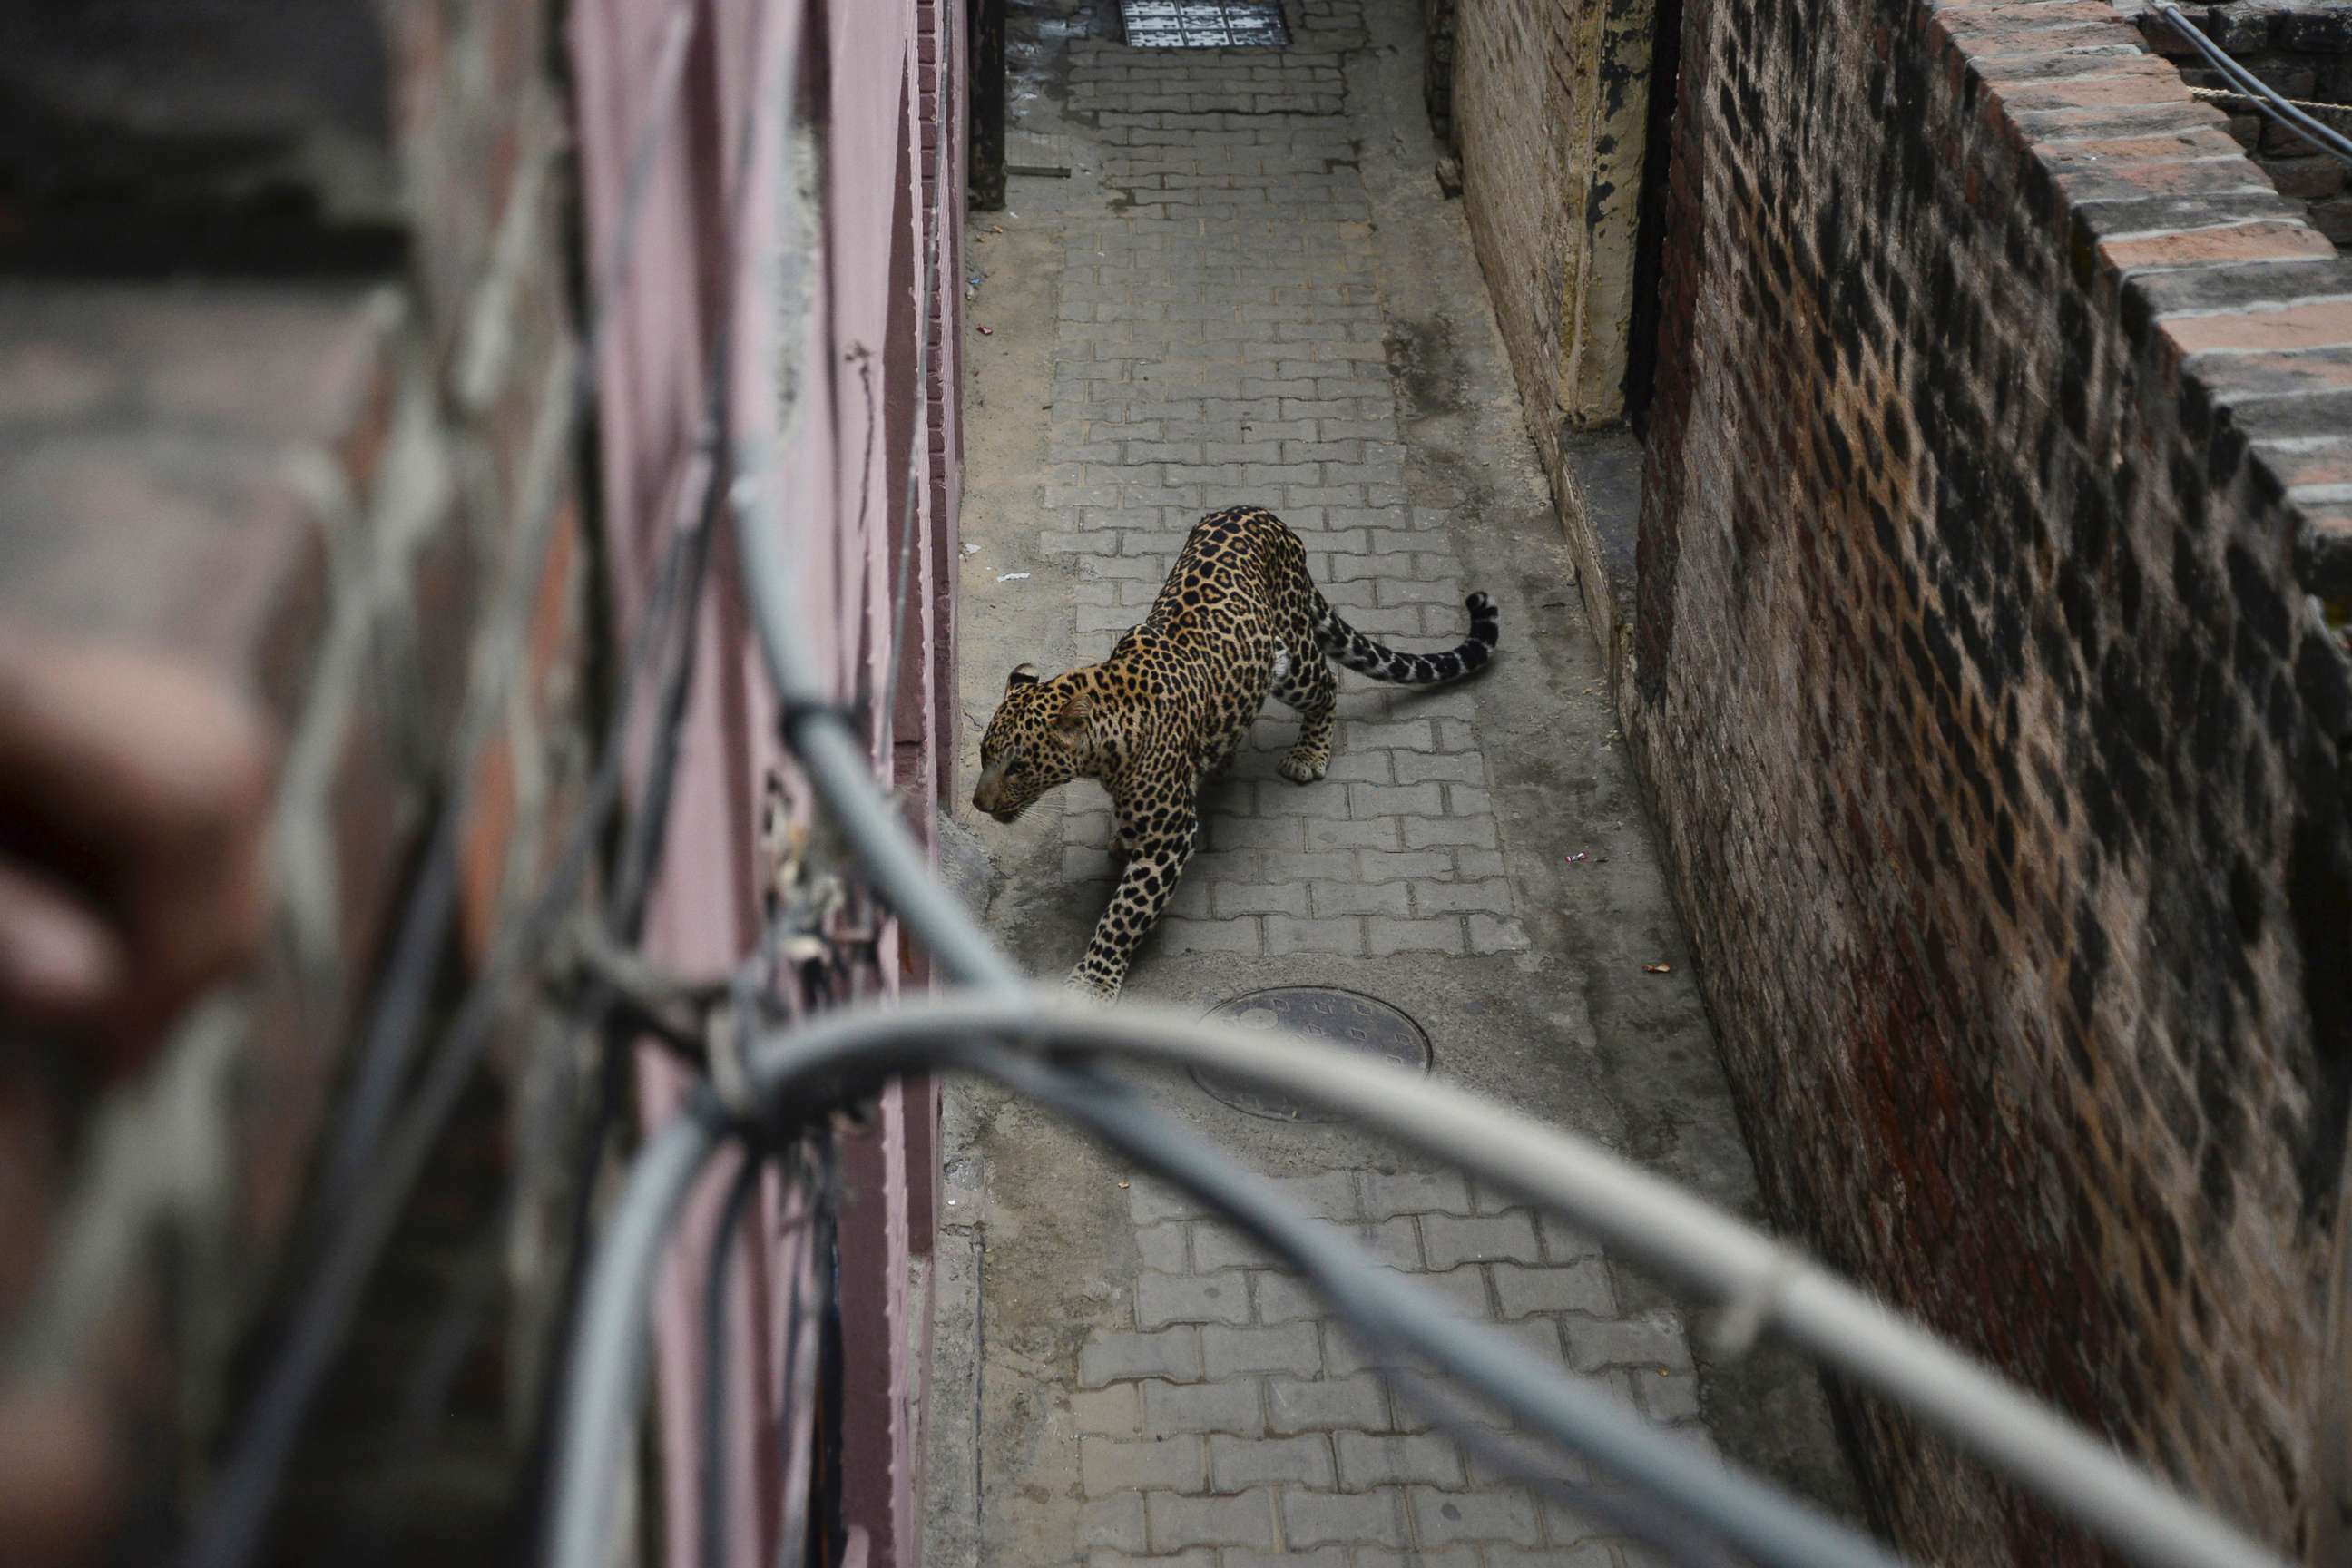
pixel 1328 1017
pixel 1203 24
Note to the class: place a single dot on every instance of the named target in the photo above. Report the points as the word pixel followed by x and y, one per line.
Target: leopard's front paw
pixel 1303 770
pixel 1102 990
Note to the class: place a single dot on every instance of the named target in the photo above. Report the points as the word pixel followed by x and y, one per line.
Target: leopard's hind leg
pixel 1310 687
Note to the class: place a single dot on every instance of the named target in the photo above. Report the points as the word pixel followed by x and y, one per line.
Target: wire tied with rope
pixel 2266 98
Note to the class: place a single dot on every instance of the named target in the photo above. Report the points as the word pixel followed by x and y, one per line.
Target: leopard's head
pixel 1037 739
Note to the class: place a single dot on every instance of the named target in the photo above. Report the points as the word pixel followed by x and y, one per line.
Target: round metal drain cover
pixel 1327 1016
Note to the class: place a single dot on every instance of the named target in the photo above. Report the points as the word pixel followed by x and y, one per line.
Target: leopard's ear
pixel 1023 675
pixel 1076 709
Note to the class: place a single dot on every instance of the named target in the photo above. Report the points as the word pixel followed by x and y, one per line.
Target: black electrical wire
pixel 2266 97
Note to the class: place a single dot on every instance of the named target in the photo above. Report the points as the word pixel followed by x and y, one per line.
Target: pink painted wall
pixel 841 478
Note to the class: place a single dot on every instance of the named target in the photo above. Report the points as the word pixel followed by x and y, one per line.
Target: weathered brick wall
pixel 1996 738
pixel 2301 48
pixel 351 491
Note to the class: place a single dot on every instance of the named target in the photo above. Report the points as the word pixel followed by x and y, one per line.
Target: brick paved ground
pixel 1234 1412
pixel 1218 308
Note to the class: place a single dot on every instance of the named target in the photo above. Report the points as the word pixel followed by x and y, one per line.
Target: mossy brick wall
pixel 1994 725
pixel 301 416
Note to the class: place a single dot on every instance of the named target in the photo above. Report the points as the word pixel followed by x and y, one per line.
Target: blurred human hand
pixel 134 802
pixel 133 807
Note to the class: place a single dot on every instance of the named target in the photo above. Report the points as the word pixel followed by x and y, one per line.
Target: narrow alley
pixel 1230 278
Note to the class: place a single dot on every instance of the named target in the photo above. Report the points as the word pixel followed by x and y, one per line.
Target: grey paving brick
pixel 1443 1557
pixel 1671 1397
pixel 1392 1242
pixel 1450 1239
pixel 1509 1458
pixel 1102 619
pixel 1431 767
pixel 1254 832
pixel 1080 864
pixel 1302 866
pixel 1413 1394
pixel 1231 866
pixel 1403 735
pixel 1406 865
pixel 1409 591
pixel 1164 1298
pixel 1469 832
pixel 1415 1192
pixel 1381 833
pixel 1171 1409
pixel 1345 1357
pixel 1289 935
pixel 1653 1340
pixel 1488 935
pixel 1113 1412
pixel 1478 863
pixel 1325 1194
pixel 1349 568
pixel 1303 1405
pixel 1468 800
pixel 1176 1522
pixel 1367 1460
pixel 1359 767
pixel 1280 797
pixel 1575 1554
pixel 1493 897
pixel 1563 1241
pixel 1162 1248
pixel 1462 1291
pixel 1310 1519
pixel 1107 1465
pixel 1578 1287
pixel 1282 1299
pixel 1321 1557
pixel 1218 1246
pixel 1111 1354
pixel 1112 1523
pixel 1239 1462
pixel 1353 898
pixel 1292 1348
pixel 1445 1517
pixel 1384 935
pixel 1258 899
pixel 1150 1201
pixel 1178 933
pixel 1189 902
pixel 1195 1557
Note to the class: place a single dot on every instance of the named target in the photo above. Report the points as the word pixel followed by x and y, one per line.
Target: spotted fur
pixel 1237 620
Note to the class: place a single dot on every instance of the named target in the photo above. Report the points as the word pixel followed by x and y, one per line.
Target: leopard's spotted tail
pixel 1365 657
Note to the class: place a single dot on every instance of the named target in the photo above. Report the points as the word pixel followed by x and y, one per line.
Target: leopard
pixel 1238 619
